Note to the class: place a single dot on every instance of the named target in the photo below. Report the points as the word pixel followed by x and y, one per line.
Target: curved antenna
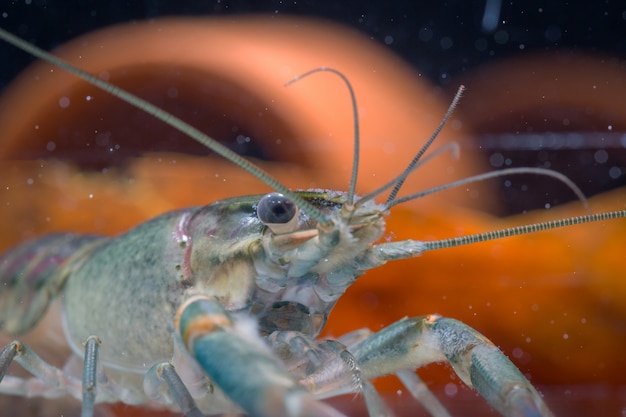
pixel 355 113
pixel 171 120
pixel 520 230
pixel 495 174
pixel 411 166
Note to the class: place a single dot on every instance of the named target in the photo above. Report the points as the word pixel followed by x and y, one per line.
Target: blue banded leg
pixel 48 380
pixel 414 342
pixel 164 373
pixel 239 362
pixel 90 366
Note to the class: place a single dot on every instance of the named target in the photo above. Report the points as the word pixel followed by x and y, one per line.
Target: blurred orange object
pixel 556 310
pixel 226 77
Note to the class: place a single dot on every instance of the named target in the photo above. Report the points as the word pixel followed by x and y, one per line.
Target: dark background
pixel 439 38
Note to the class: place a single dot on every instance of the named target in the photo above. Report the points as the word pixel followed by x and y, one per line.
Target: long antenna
pixel 355 118
pixel 520 230
pixel 171 120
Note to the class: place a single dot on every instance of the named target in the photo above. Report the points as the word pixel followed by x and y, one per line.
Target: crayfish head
pixel 308 246
pixel 303 268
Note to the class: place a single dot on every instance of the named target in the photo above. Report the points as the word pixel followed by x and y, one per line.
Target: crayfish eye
pixel 278 213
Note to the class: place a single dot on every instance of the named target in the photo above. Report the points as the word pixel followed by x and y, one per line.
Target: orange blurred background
pixel 552 301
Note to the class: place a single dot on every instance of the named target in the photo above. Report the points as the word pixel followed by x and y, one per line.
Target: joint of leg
pixel 94 338
pixel 17 347
pixel 201 315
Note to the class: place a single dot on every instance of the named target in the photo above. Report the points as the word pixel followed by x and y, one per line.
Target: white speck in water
pixel 50 146
pixel 517 353
pixel 601 156
pixel 425 34
pixel 451 389
pixel 104 75
pixel 583 320
pixel 90 195
pixel 241 139
pixel 446 43
pixel 501 37
pixel 615 173
pixel 88 98
pixel 30 181
pixel 496 160
pixel 609 127
pixel 388 40
pixel 64 102
pixel 36 127
pixel 399 392
pixel 528 340
pixel 547 205
pixel 565 336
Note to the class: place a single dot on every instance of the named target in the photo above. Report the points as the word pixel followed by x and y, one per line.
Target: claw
pixel 238 361
pixel 414 342
pixel 503 385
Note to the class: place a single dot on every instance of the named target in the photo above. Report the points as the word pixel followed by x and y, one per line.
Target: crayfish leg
pixel 239 362
pixel 48 380
pixel 165 373
pixel 329 369
pixel 414 342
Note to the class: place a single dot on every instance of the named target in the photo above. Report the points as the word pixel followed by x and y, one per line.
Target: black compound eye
pixel 275 208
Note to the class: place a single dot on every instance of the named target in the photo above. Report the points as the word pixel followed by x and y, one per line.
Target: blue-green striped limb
pixel 414 342
pixel 240 363
pixel 48 380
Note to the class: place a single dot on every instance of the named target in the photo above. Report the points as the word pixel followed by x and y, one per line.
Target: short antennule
pixel 452 147
pixel 418 156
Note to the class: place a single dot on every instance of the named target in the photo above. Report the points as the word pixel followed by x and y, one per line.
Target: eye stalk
pixel 278 213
